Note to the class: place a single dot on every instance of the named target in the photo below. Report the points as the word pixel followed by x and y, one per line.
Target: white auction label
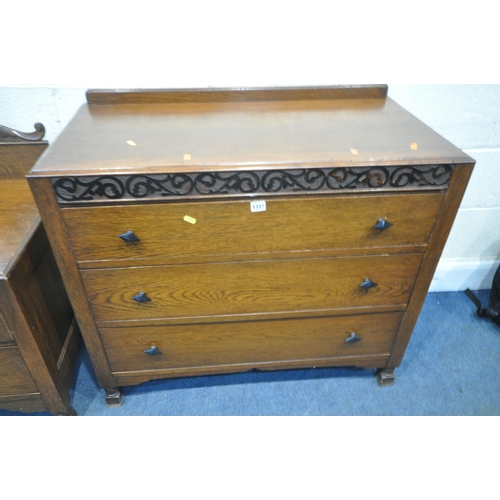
pixel 258 206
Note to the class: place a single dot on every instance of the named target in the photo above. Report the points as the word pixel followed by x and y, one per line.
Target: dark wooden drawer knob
pixel 353 338
pixel 367 284
pixel 153 351
pixel 141 297
pixel 129 237
pixel 382 224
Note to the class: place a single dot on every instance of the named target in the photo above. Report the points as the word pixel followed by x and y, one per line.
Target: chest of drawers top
pixel 188 132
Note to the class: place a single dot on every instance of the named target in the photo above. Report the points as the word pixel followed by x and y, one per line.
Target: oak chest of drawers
pixel 217 230
pixel 39 337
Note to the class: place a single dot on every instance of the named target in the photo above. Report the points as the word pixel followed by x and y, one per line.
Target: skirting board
pixel 456 275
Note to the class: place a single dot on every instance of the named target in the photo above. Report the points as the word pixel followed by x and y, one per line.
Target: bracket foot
pixel 113 397
pixel 385 377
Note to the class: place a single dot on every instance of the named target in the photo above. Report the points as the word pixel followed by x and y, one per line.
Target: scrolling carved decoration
pixel 240 183
pixel 10 133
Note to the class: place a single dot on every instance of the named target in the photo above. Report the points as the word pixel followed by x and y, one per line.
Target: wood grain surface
pixel 14 375
pixel 253 287
pixel 127 378
pixel 55 227
pixel 24 309
pixel 17 158
pixel 47 279
pixel 5 336
pixel 440 234
pixel 232 95
pixel 27 403
pixel 250 343
pixel 337 225
pixel 34 306
pixel 242 136
pixel 19 219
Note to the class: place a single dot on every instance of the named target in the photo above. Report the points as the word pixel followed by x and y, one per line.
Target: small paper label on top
pixel 189 219
pixel 258 206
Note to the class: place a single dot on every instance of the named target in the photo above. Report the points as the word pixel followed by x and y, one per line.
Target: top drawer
pixel 336 224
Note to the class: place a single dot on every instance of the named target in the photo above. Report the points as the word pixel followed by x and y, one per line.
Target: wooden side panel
pixel 34 345
pixel 65 363
pixel 30 282
pixel 46 343
pixel 211 290
pixel 17 159
pixel 439 236
pixel 15 377
pixel 56 229
pixel 19 218
pixel 251 343
pixel 342 224
pixel 47 279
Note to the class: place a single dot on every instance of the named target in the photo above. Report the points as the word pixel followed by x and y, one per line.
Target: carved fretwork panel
pixel 236 184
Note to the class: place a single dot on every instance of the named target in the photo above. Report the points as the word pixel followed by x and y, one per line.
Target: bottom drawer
pixel 250 343
pixel 14 375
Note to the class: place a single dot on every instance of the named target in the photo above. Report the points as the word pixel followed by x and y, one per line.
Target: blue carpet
pixel 451 367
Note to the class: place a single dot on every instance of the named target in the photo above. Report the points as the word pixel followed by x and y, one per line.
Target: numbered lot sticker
pixel 258 206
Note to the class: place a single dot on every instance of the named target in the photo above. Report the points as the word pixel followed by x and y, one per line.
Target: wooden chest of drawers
pixel 38 332
pixel 210 231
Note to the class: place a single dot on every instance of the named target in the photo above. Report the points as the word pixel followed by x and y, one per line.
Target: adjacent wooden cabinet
pixel 39 335
pixel 219 230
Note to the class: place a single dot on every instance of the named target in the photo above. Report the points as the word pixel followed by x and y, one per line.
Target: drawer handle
pixel 367 284
pixel 382 224
pixel 141 297
pixel 153 351
pixel 129 237
pixel 353 338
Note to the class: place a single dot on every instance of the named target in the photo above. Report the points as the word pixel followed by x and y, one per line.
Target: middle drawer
pixel 254 288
